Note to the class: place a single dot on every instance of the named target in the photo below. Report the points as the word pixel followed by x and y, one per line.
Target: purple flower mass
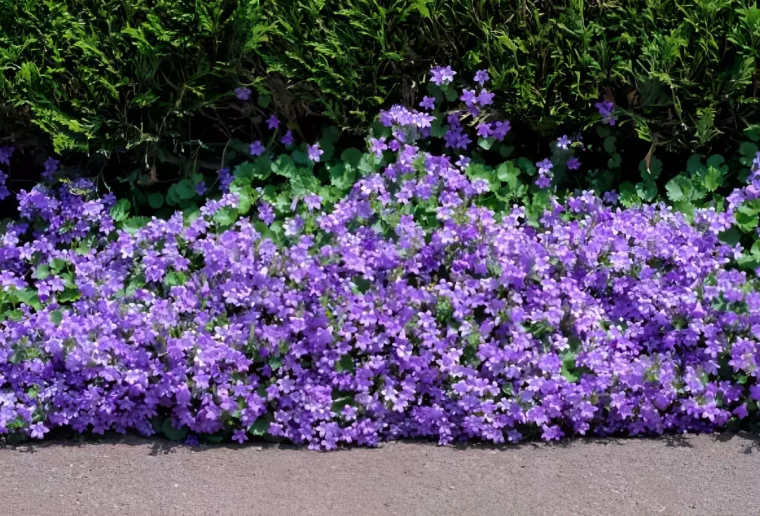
pixel 243 93
pixel 405 308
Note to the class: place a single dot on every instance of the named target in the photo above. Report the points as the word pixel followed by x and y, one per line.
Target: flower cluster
pixel 5 158
pixel 605 108
pixel 405 309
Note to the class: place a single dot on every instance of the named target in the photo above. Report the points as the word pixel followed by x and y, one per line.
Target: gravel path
pixel 692 475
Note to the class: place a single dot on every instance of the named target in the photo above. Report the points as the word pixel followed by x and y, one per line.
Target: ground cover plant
pixel 420 294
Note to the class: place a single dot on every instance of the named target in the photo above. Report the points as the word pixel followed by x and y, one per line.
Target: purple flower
pixel 266 213
pixel 287 139
pixel 500 129
pixel 482 77
pixel 427 103
pixel 38 431
pixel 605 108
pixel 485 98
pixel 468 97
pixel 314 152
pixel 5 154
pixel 563 142
pixel 273 122
pixel 225 179
pixel 378 145
pixel 51 167
pixel 239 436
pixel 442 75
pixel 484 130
pixel 257 149
pixel 313 202
pixel 200 188
pixel 544 166
pixel 4 192
pixel 551 433
pixel 543 181
pixel 754 392
pixel 741 411
pixel 573 163
pixel 243 93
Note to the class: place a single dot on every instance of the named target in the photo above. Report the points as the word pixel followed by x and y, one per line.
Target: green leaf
pixel 753 132
pixel 262 167
pixel 56 316
pixel 259 427
pixel 173 434
pixel 730 237
pixel 609 144
pixel 68 295
pixel 713 179
pixel 156 200
pixel 508 173
pixel 352 156
pixel 568 367
pixel 486 143
pixel 346 363
pixel 132 225
pixel 120 210
pixel 264 101
pixel 245 170
pixel 716 160
pixel 654 170
pixel 506 150
pixel 185 189
pixel 330 134
pixel 526 165
pixel 628 195
pixel 748 150
pixel 284 166
pixel 746 218
pixel 694 164
pixel 41 272
pixel 679 188
pixel 226 216
pixel 300 157
pixel 646 190
pixel 450 93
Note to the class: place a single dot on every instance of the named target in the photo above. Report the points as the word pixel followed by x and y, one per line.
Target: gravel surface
pixel 690 475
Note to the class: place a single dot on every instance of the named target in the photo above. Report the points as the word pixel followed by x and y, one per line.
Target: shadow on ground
pixel 749 442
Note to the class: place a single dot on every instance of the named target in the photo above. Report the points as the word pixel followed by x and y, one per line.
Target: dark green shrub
pixel 683 70
pixel 107 74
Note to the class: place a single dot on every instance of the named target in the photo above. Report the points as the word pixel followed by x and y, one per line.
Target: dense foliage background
pixel 111 75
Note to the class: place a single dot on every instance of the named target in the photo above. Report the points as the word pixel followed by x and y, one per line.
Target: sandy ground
pixel 692 475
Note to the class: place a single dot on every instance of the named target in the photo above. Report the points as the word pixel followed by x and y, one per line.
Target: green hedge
pixel 111 74
pixel 104 74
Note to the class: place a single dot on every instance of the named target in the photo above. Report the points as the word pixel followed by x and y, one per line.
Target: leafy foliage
pixel 110 75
